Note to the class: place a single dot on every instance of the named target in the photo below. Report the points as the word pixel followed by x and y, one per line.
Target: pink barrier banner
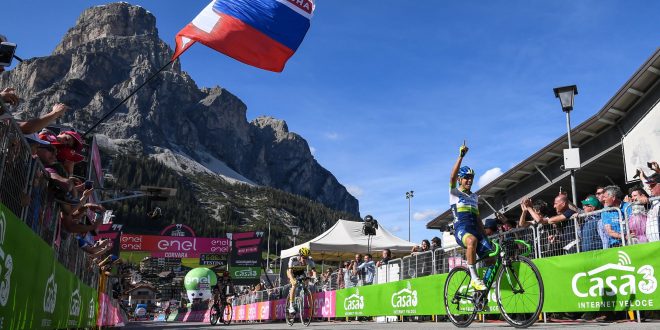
pixel 324 304
pixel 196 316
pixel 109 314
pixel 278 309
pixel 263 310
pixel 252 311
pixel 240 312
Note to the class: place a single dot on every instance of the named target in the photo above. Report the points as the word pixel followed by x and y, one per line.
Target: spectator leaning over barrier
pixel 68 144
pixel 639 200
pixel 652 229
pixel 386 256
pixel 368 267
pixel 490 227
pixel 612 198
pixel 591 239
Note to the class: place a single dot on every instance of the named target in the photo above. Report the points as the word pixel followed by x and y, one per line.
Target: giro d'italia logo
pixel 6 264
pixel 406 297
pixel 620 279
pixel 354 301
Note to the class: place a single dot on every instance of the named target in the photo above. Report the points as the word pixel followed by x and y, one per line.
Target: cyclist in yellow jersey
pixel 468 228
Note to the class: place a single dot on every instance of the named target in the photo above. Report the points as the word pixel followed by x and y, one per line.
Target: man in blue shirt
pixel 368 267
pixel 590 236
pixel 611 219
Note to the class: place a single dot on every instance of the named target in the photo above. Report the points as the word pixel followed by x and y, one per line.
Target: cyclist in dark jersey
pixel 468 228
pixel 299 265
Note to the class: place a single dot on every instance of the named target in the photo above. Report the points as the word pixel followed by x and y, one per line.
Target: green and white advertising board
pixel 615 279
pixel 199 283
pixel 36 291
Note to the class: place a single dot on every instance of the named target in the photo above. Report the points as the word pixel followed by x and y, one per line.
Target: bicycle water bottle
pixel 489 274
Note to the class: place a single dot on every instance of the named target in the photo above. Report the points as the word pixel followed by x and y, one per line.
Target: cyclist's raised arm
pixel 454 171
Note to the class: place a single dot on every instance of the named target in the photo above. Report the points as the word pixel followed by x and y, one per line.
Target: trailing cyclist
pixel 468 229
pixel 301 264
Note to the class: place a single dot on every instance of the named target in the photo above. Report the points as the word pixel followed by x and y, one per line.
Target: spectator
pixel 561 233
pixel 386 257
pixel 350 279
pixel 637 220
pixel 8 97
pixel 368 268
pixel 435 243
pixel 591 239
pixel 651 184
pixel 68 143
pixel 490 227
pixel 600 191
pixel 425 246
pixel 326 279
pixel 611 221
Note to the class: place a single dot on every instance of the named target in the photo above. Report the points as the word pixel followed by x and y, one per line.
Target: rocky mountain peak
pixel 113 20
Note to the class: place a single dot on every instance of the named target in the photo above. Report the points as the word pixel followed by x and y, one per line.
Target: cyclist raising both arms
pixel 469 231
pixel 299 265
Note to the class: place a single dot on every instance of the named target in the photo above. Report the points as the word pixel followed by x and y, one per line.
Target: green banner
pixel 420 296
pixel 615 279
pixel 36 291
pixel 245 273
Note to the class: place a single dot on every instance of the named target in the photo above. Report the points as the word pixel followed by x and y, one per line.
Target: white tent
pixel 343 240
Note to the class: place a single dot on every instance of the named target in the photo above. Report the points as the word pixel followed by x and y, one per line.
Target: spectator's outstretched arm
pixel 522 222
pixel 537 217
pixel 37 124
pixel 8 95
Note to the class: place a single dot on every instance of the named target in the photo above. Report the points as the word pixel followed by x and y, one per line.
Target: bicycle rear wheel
pixel 306 307
pixel 459 303
pixel 520 293
pixel 289 317
pixel 227 313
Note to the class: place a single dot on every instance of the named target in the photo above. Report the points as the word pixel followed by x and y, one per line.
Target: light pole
pixel 295 230
pixel 566 95
pixel 409 196
pixel 268 249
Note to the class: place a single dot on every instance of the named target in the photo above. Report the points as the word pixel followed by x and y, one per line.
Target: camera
pixel 370 225
pixel 650 165
pixel 7 50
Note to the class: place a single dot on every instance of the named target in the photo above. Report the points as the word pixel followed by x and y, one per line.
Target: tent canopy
pixel 343 240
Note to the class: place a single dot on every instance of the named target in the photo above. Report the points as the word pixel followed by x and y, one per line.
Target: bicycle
pixel 303 302
pixel 519 288
pixel 221 312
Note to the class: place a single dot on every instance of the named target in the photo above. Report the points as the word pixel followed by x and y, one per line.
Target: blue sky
pixel 385 91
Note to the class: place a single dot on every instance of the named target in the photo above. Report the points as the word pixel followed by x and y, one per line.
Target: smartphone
pixel 89 185
pixel 7 50
pixel 650 165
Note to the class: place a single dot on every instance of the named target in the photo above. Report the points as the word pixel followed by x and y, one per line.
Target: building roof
pixel 536 174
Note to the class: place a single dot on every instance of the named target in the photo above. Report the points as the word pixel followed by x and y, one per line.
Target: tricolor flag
pixel 261 33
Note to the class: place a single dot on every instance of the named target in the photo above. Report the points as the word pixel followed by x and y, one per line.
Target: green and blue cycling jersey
pixel 465 208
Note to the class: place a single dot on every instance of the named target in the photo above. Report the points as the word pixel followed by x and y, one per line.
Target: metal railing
pixel 24 190
pixel 642 221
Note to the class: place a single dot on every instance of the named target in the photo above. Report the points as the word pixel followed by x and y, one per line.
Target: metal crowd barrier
pixel 24 190
pixel 642 221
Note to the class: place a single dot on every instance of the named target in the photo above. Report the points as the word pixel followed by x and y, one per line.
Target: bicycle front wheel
pixel 227 313
pixel 520 292
pixel 458 297
pixel 306 307
pixel 214 316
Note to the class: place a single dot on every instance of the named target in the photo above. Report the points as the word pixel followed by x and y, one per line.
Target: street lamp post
pixel 409 196
pixel 566 96
pixel 295 230
pixel 268 249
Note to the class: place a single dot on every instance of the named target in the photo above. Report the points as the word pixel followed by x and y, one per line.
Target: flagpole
pixel 127 97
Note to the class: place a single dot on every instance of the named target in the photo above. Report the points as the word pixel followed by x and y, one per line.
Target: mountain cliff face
pixel 113 49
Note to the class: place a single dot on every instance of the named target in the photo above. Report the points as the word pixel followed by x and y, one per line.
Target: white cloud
pixel 354 190
pixel 395 229
pixel 425 215
pixel 312 150
pixel 332 135
pixel 489 176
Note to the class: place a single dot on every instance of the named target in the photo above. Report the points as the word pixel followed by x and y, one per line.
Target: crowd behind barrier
pixel 24 189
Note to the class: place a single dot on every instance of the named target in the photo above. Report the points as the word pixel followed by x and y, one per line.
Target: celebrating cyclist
pixel 299 265
pixel 468 229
